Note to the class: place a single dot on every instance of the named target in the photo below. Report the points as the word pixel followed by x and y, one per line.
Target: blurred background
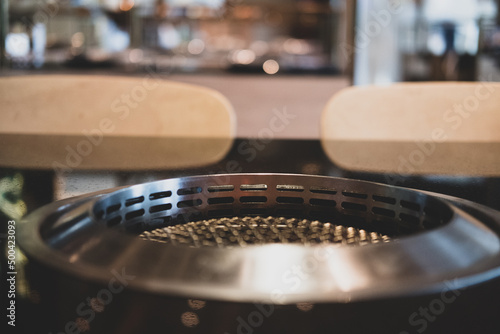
pixel 311 47
pixel 196 36
pixel 264 56
pixel 369 41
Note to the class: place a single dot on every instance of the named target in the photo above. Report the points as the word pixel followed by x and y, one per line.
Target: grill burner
pixel 230 232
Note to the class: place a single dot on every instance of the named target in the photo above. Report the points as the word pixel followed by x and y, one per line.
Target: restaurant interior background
pixel 249 48
pixel 263 56
pixel 311 37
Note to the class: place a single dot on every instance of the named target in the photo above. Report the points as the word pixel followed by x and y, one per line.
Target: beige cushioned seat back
pixel 100 122
pixel 415 128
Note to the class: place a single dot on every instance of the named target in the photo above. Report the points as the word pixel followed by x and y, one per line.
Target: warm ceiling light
pixel 271 66
pixel 244 57
pixel 196 46
pixel 126 5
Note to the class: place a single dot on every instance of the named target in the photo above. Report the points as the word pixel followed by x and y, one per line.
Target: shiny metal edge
pixel 428 262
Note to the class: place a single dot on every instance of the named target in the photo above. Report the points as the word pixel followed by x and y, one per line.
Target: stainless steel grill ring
pixel 434 240
pixel 438 241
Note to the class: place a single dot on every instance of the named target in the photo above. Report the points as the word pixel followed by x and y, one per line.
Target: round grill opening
pixel 241 210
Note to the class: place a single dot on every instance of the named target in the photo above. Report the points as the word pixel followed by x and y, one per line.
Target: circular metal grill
pixel 285 221
pixel 296 230
pixel 236 231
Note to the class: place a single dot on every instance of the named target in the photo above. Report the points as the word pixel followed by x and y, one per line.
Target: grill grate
pixel 227 210
pixel 243 231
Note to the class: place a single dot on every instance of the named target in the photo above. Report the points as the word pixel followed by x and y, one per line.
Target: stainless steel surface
pixel 438 241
